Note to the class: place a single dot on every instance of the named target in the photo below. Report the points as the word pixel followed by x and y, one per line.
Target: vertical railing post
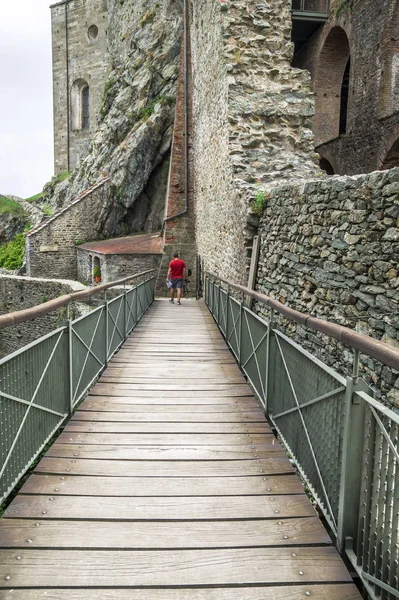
pixel 70 361
pixel 352 452
pixel 227 313
pixel 106 327
pixel 124 312
pixel 219 288
pixel 268 370
pixel 240 331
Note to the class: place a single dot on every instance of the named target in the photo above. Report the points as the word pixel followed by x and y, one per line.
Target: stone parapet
pixel 331 248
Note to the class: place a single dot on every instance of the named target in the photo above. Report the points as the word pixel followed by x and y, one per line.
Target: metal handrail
pixel 383 352
pixel 28 314
pixel 304 9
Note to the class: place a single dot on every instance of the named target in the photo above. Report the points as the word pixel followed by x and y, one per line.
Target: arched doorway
pixel 326 166
pixel 331 87
pixel 392 158
pixel 96 269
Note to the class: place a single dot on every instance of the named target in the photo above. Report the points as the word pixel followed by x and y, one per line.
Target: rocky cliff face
pixel 133 137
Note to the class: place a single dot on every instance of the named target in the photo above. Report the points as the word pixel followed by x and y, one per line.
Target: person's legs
pixel 178 287
pixel 172 294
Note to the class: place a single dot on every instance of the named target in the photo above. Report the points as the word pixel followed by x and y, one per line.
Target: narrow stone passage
pixel 168 484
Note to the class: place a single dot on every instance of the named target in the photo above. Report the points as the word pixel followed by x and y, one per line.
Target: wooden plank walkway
pixel 168 484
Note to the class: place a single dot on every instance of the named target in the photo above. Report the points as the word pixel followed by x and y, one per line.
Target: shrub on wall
pixel 12 253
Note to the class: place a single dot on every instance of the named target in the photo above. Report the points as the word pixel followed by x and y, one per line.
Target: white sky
pixel 26 112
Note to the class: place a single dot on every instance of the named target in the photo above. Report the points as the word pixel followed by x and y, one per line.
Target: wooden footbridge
pixel 168 484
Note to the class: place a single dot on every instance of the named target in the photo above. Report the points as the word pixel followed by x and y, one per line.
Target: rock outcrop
pixel 133 137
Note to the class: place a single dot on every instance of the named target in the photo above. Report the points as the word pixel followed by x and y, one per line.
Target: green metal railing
pixel 41 384
pixel 343 442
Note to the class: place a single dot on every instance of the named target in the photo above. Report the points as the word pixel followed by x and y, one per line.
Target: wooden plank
pixel 55 485
pixel 339 591
pixel 177 400
pixel 175 384
pixel 165 417
pixel 168 508
pixel 86 424
pixel 165 391
pixel 105 404
pixel 159 535
pixel 118 452
pixel 125 376
pixel 166 439
pixel 215 468
pixel 244 566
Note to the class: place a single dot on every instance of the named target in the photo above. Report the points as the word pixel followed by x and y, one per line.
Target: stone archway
pixel 326 166
pixel 391 160
pixel 331 85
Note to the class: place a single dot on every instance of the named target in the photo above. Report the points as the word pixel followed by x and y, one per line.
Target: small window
pixel 92 32
pixel 86 107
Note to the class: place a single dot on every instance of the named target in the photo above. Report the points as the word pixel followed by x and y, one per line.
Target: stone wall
pixel 51 247
pixel 331 248
pixel 17 293
pixel 251 117
pixel 370 33
pixel 84 24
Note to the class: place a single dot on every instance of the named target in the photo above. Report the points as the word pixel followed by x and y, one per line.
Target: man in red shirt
pixel 176 275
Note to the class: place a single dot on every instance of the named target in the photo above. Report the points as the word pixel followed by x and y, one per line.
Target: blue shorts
pixel 177 283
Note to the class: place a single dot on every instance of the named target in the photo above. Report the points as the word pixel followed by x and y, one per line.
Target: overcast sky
pixel 26 135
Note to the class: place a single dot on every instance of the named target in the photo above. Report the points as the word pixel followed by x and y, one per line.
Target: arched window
pixel 332 87
pixel 392 158
pixel 86 108
pixel 80 105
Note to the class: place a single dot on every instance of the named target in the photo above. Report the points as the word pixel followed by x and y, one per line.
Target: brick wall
pixel 179 233
pixel 51 247
pixel 87 61
pixel 373 118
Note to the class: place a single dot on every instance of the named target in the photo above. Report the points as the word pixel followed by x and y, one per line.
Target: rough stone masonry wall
pixel 331 248
pixel 88 61
pixel 251 117
pixel 17 293
pixel 51 247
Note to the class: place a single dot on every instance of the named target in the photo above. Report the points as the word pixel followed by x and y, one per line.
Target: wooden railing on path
pixel 168 483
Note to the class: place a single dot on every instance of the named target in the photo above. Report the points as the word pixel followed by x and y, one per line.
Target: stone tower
pixel 80 69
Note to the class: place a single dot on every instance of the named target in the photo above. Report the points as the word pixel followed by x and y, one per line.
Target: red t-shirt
pixel 176 268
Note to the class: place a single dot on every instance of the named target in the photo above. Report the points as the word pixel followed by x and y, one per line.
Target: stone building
pixel 118 258
pixel 80 69
pixel 353 58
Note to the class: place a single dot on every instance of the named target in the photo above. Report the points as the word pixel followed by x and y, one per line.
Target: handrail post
pixel 352 451
pixel 269 334
pixel 124 312
pixel 70 361
pixel 240 330
pixel 106 328
pixel 226 337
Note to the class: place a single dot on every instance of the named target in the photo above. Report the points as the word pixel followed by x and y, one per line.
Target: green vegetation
pixel 34 198
pixel 9 207
pixel 345 5
pixel 12 253
pixel 97 271
pixel 54 181
pixel 48 210
pixel 148 18
pixel 259 202
pixel 145 113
